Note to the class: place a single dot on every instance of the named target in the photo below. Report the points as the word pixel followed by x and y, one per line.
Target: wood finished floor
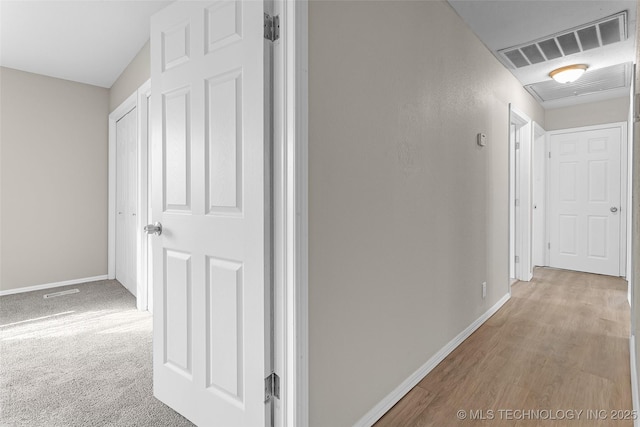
pixel 560 343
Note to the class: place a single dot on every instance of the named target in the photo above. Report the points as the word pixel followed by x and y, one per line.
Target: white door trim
pixel 144 300
pixel 538 172
pixel 133 101
pixel 290 212
pixel 128 105
pixel 524 126
pixel 624 182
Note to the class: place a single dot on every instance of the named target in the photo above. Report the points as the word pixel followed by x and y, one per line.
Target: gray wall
pixel 53 168
pixel 137 72
pixel 407 215
pixel 595 113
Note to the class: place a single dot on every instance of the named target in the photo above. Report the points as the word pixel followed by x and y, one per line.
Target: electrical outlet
pixel 484 290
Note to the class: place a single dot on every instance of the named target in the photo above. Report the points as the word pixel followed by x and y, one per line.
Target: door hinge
pixel 549 154
pixel 271 387
pixel 517 202
pixel 549 245
pixel 271 27
pixel 517 259
pixel 517 145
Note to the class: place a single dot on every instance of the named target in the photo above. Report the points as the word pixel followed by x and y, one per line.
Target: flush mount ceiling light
pixel 568 74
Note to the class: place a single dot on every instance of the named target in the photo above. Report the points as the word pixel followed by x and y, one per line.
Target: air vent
pixel 596 81
pixel 591 36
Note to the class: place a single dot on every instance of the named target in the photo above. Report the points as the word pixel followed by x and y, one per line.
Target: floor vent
pixel 610 30
pixel 61 293
pixel 596 81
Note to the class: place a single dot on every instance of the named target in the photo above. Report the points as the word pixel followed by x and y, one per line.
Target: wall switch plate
pixel 482 139
pixel 484 290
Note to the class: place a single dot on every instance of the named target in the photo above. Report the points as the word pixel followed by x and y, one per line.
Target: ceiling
pixel 92 41
pixel 502 24
pixel 88 41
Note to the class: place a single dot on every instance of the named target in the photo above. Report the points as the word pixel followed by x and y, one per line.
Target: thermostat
pixel 482 139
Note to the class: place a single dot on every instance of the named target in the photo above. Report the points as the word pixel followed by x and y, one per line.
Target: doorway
pixel 520 196
pixel 568 204
pixel 226 95
pixel 587 203
pixel 128 209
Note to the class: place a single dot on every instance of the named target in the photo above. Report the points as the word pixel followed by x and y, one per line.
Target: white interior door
pixel 126 200
pixel 585 200
pixel 210 192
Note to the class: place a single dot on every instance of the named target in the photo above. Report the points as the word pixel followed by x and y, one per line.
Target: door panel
pixel 568 234
pixel 224 350
pixel 584 187
pixel 211 194
pixel 176 148
pixel 178 298
pixel 224 144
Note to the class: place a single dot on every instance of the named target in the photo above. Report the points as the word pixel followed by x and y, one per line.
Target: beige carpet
pixel 78 360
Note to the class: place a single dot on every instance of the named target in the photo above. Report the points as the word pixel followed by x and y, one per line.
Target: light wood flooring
pixel 559 344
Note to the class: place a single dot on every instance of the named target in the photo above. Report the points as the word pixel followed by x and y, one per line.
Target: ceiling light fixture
pixel 568 74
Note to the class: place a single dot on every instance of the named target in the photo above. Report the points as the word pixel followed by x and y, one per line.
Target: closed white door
pixel 126 194
pixel 210 193
pixel 584 188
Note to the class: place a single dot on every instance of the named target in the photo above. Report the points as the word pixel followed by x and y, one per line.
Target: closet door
pixel 126 195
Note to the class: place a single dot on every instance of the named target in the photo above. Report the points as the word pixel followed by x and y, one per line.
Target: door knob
pixel 613 209
pixel 155 228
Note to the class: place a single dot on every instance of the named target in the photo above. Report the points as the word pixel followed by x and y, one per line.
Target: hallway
pixel 560 344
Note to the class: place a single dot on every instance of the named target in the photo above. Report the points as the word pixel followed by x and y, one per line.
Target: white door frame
pixel 523 223
pixel 539 218
pixel 624 182
pixel 137 100
pixel 511 245
pixel 629 196
pixel 290 186
pixel 145 300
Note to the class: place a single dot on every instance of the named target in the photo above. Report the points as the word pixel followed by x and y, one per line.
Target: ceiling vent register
pixel 610 30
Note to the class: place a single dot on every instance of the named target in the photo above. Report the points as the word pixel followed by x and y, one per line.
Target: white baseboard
pixel 387 403
pixel 53 285
pixel 635 399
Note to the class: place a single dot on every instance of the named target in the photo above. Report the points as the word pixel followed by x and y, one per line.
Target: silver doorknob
pixel 155 228
pixel 613 209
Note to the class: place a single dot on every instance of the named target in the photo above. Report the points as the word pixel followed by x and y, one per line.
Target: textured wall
pixel 407 216
pixel 595 113
pixel 53 169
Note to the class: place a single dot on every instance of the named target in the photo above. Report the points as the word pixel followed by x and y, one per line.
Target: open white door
pixel 210 193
